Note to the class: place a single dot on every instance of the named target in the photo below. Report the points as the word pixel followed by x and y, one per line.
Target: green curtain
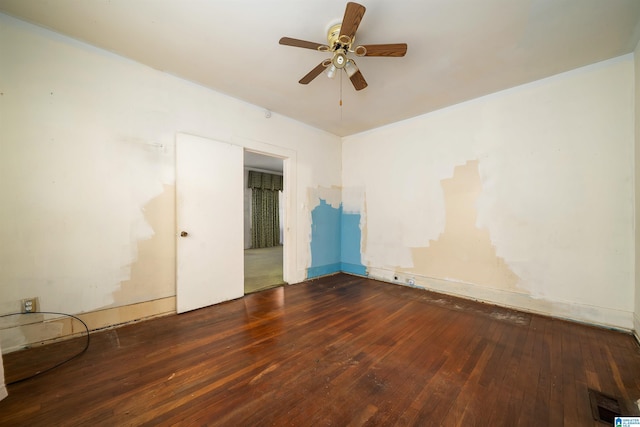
pixel 265 212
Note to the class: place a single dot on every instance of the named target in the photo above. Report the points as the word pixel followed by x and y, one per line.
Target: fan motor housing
pixel 333 39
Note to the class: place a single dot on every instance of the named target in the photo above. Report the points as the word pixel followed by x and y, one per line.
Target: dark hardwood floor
pixel 339 351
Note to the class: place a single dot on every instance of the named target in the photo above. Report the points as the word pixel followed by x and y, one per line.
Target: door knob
pixel 183 234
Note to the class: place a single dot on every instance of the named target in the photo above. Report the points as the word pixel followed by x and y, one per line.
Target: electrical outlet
pixel 29 305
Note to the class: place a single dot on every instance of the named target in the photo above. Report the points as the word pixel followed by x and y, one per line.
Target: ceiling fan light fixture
pixel 339 59
pixel 331 73
pixel 351 68
pixel 341 40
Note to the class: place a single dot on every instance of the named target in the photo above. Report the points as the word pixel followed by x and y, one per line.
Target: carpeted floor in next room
pixel 262 269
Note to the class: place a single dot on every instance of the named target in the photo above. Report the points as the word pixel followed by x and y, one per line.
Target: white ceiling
pixel 458 49
pixel 265 163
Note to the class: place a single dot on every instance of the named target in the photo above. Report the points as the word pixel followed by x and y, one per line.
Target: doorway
pixel 264 211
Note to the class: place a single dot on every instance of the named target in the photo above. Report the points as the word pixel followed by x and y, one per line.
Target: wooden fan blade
pixel 288 41
pixel 393 49
pixel 358 81
pixel 352 16
pixel 312 74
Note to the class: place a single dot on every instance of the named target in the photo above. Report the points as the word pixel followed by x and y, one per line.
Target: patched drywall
pixel 152 274
pixel 331 196
pixel 463 252
pixel 88 168
pixel 551 229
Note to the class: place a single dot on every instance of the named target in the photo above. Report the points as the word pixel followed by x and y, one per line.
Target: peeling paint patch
pixel 153 271
pixel 463 252
pixel 330 195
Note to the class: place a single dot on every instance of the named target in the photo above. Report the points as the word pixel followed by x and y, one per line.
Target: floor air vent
pixel 604 408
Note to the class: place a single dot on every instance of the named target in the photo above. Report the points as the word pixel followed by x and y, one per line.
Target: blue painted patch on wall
pixel 335 242
pixel 350 238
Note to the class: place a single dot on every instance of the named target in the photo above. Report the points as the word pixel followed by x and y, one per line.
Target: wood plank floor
pixel 340 351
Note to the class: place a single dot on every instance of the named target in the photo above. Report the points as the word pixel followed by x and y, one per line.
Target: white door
pixel 209 219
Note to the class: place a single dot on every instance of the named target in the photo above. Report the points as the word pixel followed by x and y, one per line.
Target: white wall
pixel 636 317
pixel 523 197
pixel 87 170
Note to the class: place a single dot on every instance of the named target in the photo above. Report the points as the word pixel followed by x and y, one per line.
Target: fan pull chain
pixel 341 95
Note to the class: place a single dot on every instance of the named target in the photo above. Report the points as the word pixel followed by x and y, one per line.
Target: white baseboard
pixel 38 329
pixel 599 316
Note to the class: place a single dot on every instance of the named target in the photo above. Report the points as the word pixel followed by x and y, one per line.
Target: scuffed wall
pixel 463 251
pixel 87 173
pixel 523 197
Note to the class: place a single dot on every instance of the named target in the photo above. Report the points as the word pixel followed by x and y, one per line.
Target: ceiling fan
pixel 341 41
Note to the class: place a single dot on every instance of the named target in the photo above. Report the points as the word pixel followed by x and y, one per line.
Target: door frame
pixel 289 260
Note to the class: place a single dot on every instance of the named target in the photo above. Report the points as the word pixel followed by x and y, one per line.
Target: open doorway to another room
pixel 263 221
